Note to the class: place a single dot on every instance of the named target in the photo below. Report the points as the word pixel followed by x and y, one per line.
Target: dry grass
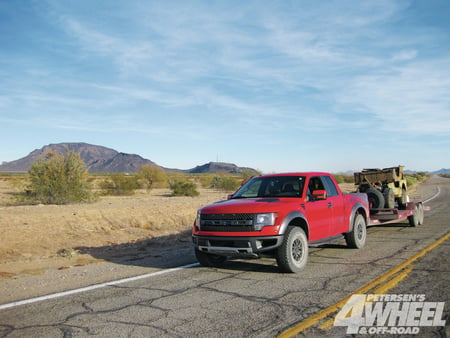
pixel 33 234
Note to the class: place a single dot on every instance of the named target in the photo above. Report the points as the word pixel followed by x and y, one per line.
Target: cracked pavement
pixel 244 298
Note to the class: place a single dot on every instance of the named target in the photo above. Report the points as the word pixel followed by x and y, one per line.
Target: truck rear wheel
pixel 292 255
pixel 356 238
pixel 207 259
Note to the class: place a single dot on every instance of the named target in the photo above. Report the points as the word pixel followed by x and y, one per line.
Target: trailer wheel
pixel 292 255
pixel 421 215
pixel 418 216
pixel 208 260
pixel 376 199
pixel 415 218
pixel 389 198
pixel 356 238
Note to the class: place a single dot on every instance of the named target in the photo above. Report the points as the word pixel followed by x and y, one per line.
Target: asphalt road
pixel 245 298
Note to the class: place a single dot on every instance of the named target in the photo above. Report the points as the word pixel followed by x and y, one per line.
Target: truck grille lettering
pixel 227 222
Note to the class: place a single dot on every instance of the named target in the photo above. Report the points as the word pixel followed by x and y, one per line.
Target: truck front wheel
pixel 356 238
pixel 206 259
pixel 292 255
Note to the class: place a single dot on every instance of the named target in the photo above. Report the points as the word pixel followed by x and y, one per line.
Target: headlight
pixel 197 220
pixel 261 220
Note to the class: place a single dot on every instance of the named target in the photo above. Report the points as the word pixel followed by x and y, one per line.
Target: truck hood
pixel 248 205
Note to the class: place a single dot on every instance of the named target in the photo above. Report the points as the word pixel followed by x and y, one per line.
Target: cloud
pixel 412 98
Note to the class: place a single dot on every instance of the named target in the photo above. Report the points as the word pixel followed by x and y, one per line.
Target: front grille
pixel 227 222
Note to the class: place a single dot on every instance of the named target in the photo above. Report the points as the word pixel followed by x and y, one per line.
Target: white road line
pixel 93 287
pixel 119 281
pixel 434 196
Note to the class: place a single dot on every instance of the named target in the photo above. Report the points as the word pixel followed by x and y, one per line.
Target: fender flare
pixel 353 213
pixel 287 220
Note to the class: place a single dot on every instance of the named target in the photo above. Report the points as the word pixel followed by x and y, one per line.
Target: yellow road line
pixel 380 290
pixel 296 329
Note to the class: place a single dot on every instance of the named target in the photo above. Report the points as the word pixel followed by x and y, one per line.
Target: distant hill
pixel 98 159
pixel 220 167
pixel 105 160
pixel 442 171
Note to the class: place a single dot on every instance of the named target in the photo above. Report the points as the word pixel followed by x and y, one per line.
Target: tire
pixel 416 218
pixel 209 260
pixel 421 214
pixel 402 200
pixel 292 255
pixel 356 238
pixel 389 198
pixel 376 199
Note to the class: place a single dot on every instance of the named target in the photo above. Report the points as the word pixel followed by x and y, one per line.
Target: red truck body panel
pixel 324 218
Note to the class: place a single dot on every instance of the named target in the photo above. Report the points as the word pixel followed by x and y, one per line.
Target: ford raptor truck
pixel 280 215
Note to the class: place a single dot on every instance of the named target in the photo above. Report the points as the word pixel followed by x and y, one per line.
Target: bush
pixel 59 179
pixel 341 178
pixel 184 188
pixel 225 182
pixel 413 179
pixel 152 176
pixel 119 185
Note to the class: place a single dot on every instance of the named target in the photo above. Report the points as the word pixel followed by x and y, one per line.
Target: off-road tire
pixel 209 260
pixel 292 255
pixel 356 238
pixel 403 200
pixel 389 198
pixel 376 198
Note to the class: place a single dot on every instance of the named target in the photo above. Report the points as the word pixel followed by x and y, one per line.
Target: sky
pixel 278 86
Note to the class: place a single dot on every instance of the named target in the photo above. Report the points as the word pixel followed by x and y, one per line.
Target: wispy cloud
pixel 217 70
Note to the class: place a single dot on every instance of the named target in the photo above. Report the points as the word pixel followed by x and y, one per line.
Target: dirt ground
pixel 35 238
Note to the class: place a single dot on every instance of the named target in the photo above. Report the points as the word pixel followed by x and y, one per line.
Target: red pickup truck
pixel 280 215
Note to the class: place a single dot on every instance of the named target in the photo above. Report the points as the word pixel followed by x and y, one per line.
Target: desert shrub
pixel 183 188
pixel 341 178
pixel 248 174
pixel 152 176
pixel 225 183
pixel 119 185
pixel 59 179
pixel 413 179
pixel 206 180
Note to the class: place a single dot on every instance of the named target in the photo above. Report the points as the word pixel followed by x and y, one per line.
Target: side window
pixel 315 183
pixel 330 186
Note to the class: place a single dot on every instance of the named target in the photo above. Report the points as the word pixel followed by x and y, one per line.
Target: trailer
pixel 413 212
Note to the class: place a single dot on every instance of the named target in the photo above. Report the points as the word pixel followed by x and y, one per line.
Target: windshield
pixel 272 186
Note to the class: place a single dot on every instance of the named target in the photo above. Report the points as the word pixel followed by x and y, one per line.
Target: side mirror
pixel 230 196
pixel 319 195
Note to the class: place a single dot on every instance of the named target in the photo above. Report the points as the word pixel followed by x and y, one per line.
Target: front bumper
pixel 249 247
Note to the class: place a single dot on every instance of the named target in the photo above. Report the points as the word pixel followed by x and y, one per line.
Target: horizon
pixel 346 172
pixel 278 87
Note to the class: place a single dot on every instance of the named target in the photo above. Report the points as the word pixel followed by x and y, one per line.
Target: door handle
pixel 330 205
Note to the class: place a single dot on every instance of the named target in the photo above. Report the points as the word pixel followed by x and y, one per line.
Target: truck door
pixel 335 200
pixel 319 212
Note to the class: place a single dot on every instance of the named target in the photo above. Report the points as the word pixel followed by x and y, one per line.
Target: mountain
pixel 220 167
pixel 105 160
pixel 97 158
pixel 442 171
